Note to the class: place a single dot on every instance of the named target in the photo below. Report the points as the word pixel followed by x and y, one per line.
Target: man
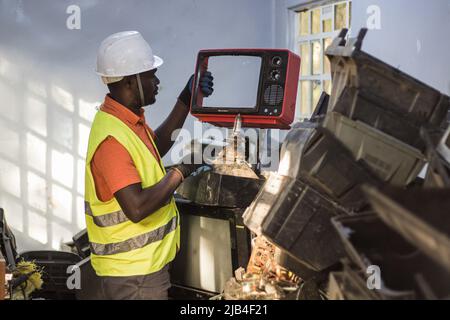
pixel 131 216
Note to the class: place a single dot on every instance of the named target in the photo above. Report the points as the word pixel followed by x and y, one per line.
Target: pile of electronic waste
pixel 346 207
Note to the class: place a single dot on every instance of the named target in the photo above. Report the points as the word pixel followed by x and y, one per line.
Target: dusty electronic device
pixel 259 84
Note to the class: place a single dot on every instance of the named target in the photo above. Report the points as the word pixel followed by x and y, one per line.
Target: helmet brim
pixel 157 63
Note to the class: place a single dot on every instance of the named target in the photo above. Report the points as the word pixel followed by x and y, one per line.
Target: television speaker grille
pixel 273 94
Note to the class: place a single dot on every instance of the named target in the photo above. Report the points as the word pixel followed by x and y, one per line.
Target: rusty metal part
pixel 213 189
pixel 256 287
pixel 263 261
pixel 262 257
pixel 264 278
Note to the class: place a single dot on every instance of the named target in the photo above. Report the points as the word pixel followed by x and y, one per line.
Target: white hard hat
pixel 124 54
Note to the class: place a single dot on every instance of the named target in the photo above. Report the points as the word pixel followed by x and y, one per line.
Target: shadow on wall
pixel 45 130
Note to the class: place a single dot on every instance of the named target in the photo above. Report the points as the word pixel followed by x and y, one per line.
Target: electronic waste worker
pixel 131 217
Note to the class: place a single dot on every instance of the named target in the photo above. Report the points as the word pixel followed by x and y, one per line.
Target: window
pixel 316 28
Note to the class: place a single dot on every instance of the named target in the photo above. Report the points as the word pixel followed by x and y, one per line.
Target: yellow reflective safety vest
pixel 120 247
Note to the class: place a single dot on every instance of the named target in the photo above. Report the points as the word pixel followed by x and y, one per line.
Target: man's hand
pixel 206 85
pixel 188 165
pixel 138 203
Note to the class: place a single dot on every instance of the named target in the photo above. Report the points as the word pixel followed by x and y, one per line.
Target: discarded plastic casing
pixel 370 243
pixel 371 91
pixel 420 215
pixel 265 201
pixel 293 148
pixel 392 160
pixel 350 284
pixel 299 222
pixel 331 168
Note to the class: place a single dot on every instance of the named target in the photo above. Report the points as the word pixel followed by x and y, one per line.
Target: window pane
pixel 305 98
pixel 326 11
pixel 327 19
pixel 315 22
pixel 326 62
pixel 317 91
pixel 306 59
pixel 327 25
pixel 340 16
pixel 327 86
pixel 304 23
pixel 317 56
pixel 349 14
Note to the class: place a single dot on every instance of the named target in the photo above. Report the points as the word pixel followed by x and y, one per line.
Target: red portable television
pixel 259 84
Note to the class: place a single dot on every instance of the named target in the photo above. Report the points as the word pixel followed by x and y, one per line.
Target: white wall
pixel 49 91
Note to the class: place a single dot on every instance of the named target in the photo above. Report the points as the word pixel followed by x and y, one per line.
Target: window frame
pixel 310 39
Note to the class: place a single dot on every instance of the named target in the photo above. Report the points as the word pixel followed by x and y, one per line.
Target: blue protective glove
pixel 206 85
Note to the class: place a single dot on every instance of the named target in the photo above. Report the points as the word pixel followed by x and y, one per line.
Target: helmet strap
pixel 141 91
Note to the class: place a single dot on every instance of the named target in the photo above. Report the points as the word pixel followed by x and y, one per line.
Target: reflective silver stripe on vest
pixel 106 220
pixel 135 242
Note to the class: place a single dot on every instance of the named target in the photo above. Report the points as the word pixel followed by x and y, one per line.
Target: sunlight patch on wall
pixel 83 138
pixel 37 88
pixel 80 176
pixel 62 168
pixel 61 203
pixel 37 192
pixel 81 221
pixel 9 142
pixel 37 226
pixel 63 98
pixel 62 129
pixel 36 116
pixel 10 178
pixel 60 235
pixel 36 152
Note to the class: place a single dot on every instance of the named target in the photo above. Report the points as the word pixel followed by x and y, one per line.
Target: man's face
pixel 150 84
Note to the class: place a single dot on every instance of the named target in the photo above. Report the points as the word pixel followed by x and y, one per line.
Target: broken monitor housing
pixel 259 84
pixel 368 132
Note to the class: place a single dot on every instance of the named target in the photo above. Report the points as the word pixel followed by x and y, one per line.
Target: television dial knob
pixel 275 75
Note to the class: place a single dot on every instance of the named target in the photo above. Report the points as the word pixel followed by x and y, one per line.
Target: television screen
pixel 236 80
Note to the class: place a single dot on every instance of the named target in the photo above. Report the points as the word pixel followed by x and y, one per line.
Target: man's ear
pixel 119 85
pixel 129 82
